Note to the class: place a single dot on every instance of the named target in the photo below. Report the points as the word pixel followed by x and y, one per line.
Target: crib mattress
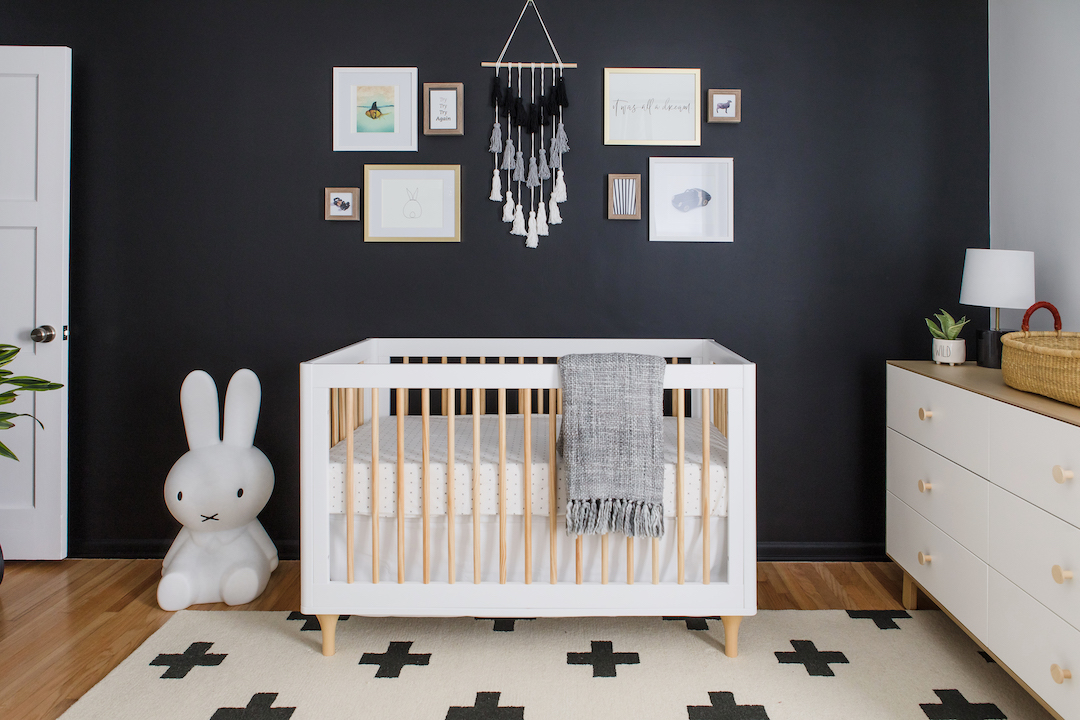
pixel 489 467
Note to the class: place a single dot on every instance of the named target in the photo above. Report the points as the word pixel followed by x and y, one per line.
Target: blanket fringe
pixel 635 518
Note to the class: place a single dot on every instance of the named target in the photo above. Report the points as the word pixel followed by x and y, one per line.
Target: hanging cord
pixel 525 7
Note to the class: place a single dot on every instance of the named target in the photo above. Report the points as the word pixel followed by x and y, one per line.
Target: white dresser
pixel 983 514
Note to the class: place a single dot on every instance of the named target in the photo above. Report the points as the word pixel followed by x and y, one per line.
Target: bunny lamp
pixel 216 490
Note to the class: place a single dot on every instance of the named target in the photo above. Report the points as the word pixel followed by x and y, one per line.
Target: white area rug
pixel 796 665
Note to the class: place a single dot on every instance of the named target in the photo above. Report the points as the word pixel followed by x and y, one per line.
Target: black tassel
pixel 560 91
pixel 542 111
pixel 496 91
pixel 508 101
pixel 553 100
pixel 533 122
pixel 520 116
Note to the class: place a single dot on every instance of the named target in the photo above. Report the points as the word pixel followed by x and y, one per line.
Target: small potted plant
pixel 948 348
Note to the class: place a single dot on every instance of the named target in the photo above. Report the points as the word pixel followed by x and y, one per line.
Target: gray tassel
pixel 496 145
pixel 561 140
pixel 519 167
pixel 508 156
pixel 533 180
pixel 545 171
pixel 556 157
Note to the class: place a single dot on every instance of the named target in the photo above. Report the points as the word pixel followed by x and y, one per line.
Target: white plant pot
pixel 950 352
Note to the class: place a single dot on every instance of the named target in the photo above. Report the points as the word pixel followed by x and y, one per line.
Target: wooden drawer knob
pixel 925 414
pixel 1060 576
pixel 924 559
pixel 925 486
pixel 1059 673
pixel 1061 474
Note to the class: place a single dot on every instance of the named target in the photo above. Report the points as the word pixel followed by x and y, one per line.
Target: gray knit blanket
pixel 612 442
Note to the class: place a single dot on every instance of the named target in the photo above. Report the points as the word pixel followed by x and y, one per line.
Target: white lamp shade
pixel 998 278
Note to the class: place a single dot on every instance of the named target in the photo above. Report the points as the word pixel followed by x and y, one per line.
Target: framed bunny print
pixel 412 203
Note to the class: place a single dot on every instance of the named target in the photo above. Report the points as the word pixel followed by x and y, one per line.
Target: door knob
pixel 924 559
pixel 1060 575
pixel 925 486
pixel 43 334
pixel 1061 474
pixel 925 414
pixel 1059 674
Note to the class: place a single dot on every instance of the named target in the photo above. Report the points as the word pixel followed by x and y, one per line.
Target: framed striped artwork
pixel 624 197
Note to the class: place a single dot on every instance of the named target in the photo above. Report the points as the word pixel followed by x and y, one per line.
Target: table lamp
pixel 996 279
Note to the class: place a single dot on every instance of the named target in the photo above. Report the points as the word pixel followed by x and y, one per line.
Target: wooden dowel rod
pixel 425 479
pixel 680 468
pixel 476 486
pixel 706 472
pixel 629 561
pixel 374 486
pixel 350 488
pixel 578 559
pixel 656 561
pixel 546 65
pixel 450 518
pixel 553 496
pixel 527 481
pixel 604 559
pixel 502 484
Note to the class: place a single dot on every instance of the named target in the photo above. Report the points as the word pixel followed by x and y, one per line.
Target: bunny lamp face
pixel 219 487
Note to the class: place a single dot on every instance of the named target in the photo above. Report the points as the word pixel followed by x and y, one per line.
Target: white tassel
pixel 541 221
pixel 554 218
pixel 496 187
pixel 519 167
pixel 519 222
pixel 533 181
pixel 496 144
pixel 558 193
pixel 531 240
pixel 545 170
pixel 508 156
pixel 508 208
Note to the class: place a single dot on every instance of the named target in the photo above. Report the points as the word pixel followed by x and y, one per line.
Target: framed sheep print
pixel 341 203
pixel 412 203
pixel 652 106
pixel 624 197
pixel 375 108
pixel 691 199
pixel 725 106
pixel 444 105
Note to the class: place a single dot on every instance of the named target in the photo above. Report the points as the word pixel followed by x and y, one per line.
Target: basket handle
pixel 1025 326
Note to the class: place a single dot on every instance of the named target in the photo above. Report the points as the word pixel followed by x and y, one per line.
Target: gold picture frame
pixel 444 108
pixel 341 203
pixel 412 203
pixel 652 106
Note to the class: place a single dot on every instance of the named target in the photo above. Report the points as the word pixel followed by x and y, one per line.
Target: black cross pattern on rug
pixel 955 707
pixel 884 619
pixel 505 624
pixel 258 708
pixel 181 664
pixel 987 658
pixel 394 659
pixel 486 707
pixel 310 621
pixel 723 707
pixel 602 659
pixel 816 661
pixel 695 623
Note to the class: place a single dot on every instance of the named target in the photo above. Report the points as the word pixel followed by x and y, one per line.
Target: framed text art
pixel 652 106
pixel 412 203
pixel 444 105
pixel 691 199
pixel 374 108
pixel 341 203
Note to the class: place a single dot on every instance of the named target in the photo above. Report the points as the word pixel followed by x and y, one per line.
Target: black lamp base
pixel 988 347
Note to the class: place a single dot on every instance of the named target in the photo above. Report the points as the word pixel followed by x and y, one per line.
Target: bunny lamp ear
pixel 242 408
pixel 199 404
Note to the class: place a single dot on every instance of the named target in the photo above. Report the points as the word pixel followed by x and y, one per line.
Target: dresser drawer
pixel 944 493
pixel 1025 545
pixel 955 577
pixel 953 422
pixel 1029 639
pixel 1024 449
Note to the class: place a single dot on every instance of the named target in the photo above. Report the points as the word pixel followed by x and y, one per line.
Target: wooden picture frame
pixel 412 203
pixel 624 197
pixel 374 109
pixel 691 199
pixel 725 106
pixel 341 203
pixel 652 106
pixel 444 108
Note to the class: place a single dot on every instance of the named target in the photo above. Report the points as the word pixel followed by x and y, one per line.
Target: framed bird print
pixel 652 106
pixel 375 109
pixel 691 199
pixel 341 203
pixel 725 106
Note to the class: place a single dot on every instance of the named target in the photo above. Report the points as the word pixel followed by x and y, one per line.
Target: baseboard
pixel 821 551
pixel 134 549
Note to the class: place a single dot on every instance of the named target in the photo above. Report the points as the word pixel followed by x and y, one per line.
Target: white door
pixel 35 151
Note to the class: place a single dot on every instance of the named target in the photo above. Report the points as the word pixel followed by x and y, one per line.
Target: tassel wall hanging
pixel 542 175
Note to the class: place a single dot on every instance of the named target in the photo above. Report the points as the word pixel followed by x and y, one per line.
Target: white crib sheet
pixel 489 467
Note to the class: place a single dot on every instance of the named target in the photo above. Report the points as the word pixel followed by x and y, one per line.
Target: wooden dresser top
pixel 988 382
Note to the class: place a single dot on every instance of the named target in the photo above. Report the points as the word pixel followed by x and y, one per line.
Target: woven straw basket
pixel 1047 363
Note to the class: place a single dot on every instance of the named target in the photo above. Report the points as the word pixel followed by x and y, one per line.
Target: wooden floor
pixel 65 625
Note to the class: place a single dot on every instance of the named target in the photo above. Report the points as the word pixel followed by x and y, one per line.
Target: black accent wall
pixel 202 143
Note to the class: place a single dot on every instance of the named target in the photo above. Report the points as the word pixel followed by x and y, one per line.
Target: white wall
pixel 1035 146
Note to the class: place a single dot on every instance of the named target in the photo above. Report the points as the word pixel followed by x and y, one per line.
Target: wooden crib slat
pixel 401 483
pixel 604 559
pixel 656 561
pixel 527 481
pixel 705 492
pixel 629 560
pixel 450 520
pixel 445 392
pixel 553 497
pixel 680 410
pixel 362 395
pixel 502 484
pixel 476 485
pixel 335 436
pixel 350 487
pixel 464 396
pixel 425 479
pixel 374 486
pixel 483 394
pixel 578 553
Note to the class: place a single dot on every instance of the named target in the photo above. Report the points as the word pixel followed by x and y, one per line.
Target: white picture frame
pixel 691 199
pixel 412 203
pixel 375 109
pixel 652 106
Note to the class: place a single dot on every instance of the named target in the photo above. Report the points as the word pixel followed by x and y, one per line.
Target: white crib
pixel 459 514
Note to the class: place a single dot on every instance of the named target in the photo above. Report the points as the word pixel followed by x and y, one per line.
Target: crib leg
pixel 328 623
pixel 731 634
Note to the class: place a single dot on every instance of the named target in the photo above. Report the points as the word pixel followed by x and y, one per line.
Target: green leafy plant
pixel 21 383
pixel 946 328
